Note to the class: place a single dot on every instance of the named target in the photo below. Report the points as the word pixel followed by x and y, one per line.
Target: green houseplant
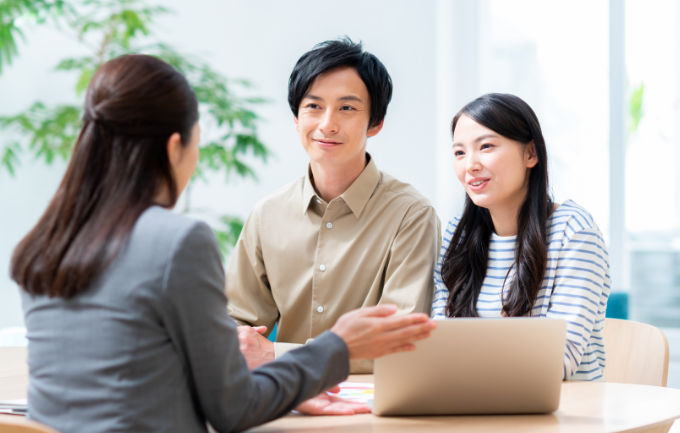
pixel 108 29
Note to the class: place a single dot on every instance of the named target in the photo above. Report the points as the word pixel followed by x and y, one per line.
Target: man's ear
pixel 530 155
pixel 373 130
pixel 295 119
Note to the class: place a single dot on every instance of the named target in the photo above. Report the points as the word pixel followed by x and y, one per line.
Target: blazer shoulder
pixel 158 230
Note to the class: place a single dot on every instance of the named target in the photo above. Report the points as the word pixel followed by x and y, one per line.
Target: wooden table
pixel 584 407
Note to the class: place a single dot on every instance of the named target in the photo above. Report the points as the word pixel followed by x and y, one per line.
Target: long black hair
pixel 119 164
pixel 465 262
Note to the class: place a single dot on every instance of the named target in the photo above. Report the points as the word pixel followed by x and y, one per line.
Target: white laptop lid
pixel 476 366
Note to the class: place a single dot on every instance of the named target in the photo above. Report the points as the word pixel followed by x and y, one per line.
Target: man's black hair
pixel 342 52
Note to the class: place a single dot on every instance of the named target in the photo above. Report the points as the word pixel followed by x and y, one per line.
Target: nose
pixel 473 164
pixel 329 123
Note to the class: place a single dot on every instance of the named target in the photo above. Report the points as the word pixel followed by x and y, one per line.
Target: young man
pixel 343 236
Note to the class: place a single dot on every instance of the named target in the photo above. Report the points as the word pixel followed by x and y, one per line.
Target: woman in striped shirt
pixel 513 251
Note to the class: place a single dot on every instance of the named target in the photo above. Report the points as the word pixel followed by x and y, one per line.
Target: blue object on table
pixel 617 306
pixel 272 335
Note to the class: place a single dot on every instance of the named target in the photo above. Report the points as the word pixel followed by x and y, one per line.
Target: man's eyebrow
pixel 313 97
pixel 351 98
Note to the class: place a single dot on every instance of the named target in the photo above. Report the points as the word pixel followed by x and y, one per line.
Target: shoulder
pixel 571 218
pixel 403 193
pixel 450 230
pixel 160 231
pixel 281 196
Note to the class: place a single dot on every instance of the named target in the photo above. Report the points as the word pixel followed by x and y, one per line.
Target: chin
pixel 481 201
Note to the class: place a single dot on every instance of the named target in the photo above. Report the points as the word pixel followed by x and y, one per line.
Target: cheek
pixel 459 168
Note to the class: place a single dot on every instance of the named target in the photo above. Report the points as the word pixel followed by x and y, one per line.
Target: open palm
pixel 328 404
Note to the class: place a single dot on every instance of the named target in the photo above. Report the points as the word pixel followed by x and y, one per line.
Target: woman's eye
pixel 458 153
pixel 486 146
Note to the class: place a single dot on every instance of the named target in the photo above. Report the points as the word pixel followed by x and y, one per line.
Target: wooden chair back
pixel 19 424
pixel 636 353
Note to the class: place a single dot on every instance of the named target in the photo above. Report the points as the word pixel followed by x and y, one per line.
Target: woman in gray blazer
pixel 124 300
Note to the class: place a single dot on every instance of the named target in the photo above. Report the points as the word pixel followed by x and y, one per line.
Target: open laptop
pixel 476 366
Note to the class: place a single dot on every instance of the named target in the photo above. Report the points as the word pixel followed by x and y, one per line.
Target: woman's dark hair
pixel 342 52
pixel 119 165
pixel 465 263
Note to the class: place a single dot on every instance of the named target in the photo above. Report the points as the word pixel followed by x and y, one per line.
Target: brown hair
pixel 119 164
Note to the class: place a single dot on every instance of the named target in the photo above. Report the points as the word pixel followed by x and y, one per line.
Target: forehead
pixel 467 130
pixel 339 82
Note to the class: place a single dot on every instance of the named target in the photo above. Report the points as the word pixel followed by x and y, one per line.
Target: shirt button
pixel 322 267
pixel 329 225
pixel 319 309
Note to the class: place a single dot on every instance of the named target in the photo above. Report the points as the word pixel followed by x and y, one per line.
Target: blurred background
pixel 603 77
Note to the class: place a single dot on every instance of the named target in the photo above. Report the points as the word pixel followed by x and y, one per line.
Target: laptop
pixel 476 366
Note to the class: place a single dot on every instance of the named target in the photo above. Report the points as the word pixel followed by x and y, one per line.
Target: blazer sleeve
pixel 228 395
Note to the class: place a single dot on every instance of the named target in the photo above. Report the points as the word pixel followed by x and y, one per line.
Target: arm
pixel 441 292
pixel 250 298
pixel 413 258
pixel 579 291
pixel 227 393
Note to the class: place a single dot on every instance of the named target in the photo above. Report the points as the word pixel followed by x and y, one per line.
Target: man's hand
pixel 254 346
pixel 373 332
pixel 325 404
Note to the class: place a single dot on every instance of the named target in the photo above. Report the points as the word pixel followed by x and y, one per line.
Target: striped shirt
pixel 575 287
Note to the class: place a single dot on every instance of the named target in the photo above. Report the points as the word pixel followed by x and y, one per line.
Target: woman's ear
pixel 174 147
pixel 530 156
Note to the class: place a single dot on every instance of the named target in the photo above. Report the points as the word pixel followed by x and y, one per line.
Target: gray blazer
pixel 150 346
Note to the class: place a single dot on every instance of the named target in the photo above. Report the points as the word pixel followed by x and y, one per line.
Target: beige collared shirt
pixel 303 262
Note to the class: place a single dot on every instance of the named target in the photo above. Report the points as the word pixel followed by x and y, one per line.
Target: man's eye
pixel 312 106
pixel 347 108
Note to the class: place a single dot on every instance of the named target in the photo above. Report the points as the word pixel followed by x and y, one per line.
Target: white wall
pixel 261 41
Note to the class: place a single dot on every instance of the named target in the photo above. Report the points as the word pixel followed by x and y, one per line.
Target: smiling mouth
pixel 478 184
pixel 327 143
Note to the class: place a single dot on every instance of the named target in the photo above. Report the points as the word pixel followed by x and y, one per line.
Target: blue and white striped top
pixel 576 285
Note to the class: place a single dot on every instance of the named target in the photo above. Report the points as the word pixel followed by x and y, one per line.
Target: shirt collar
pixel 356 196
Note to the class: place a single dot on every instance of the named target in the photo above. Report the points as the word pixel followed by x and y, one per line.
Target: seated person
pixel 513 252
pixel 344 236
pixel 124 300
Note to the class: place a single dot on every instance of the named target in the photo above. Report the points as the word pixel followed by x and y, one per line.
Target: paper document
pixel 356 391
pixel 14 407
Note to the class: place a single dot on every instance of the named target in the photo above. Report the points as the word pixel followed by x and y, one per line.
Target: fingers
pixel 381 310
pixel 334 390
pixel 260 329
pixel 403 321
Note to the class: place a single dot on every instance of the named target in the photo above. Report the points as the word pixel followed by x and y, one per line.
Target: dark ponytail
pixel 119 165
pixel 465 263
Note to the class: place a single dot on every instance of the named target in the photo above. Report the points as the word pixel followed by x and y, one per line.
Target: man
pixel 343 236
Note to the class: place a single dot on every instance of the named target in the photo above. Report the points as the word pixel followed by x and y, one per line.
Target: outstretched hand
pixel 328 404
pixel 373 332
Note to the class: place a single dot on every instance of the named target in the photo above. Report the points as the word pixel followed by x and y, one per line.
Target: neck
pixel 330 181
pixel 505 220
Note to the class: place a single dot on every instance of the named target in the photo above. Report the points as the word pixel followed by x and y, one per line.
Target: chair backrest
pixel 636 353
pixel 19 424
